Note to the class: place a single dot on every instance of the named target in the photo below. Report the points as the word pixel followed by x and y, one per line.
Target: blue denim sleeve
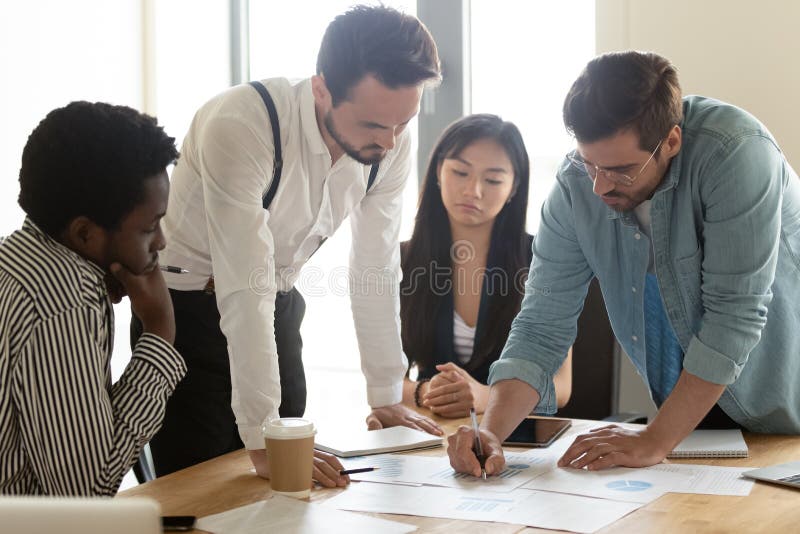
pixel 741 198
pixel 555 290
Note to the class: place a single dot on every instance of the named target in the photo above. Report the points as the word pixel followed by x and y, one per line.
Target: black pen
pixel 478 448
pixel 359 470
pixel 173 269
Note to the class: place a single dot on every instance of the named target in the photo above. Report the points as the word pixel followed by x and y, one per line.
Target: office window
pixel 51 53
pixel 525 56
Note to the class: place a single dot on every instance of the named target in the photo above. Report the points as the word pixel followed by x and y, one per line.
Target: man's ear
pixel 87 238
pixel 322 97
pixel 672 144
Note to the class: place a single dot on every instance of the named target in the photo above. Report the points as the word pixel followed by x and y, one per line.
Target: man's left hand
pixel 612 445
pixel 400 415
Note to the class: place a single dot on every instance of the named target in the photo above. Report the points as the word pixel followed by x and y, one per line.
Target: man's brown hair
pixel 624 90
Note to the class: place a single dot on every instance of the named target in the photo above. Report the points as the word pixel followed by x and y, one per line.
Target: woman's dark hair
pixel 430 249
pixel 621 90
pixel 395 48
pixel 90 159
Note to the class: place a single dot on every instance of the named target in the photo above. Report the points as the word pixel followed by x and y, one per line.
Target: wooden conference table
pixel 226 482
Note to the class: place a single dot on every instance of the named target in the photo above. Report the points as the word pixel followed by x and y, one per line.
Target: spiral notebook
pixel 710 444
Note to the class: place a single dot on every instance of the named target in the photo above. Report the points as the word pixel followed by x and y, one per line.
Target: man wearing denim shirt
pixel 688 214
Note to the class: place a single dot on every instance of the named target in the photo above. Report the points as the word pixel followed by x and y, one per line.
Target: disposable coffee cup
pixel 290 449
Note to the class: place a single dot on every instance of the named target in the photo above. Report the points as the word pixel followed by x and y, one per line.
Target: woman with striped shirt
pixel 94 187
pixel 465 266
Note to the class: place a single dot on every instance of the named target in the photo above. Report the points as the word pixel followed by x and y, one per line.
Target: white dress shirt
pixel 216 224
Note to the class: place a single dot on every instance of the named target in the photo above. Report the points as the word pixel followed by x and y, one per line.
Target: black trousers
pixel 716 419
pixel 199 423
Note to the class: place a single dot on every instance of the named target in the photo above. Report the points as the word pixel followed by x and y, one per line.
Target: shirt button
pixel 637 235
pixel 634 338
pixel 633 289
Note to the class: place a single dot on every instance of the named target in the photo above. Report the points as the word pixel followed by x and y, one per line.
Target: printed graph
pixel 510 471
pixel 475 504
pixel 629 485
pixel 390 468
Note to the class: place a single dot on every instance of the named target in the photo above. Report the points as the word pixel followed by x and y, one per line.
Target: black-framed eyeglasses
pixel 614 176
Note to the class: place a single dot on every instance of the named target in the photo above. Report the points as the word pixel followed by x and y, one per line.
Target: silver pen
pixel 173 269
pixel 478 447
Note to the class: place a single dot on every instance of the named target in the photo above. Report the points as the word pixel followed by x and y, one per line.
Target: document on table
pixel 436 471
pixel 522 507
pixel 617 483
pixel 709 479
pixel 290 516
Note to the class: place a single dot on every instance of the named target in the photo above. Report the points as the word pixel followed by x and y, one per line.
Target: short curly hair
pixel 90 159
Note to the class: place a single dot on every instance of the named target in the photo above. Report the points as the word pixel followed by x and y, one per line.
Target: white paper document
pixel 290 516
pixel 436 471
pixel 575 513
pixel 617 483
pixel 522 507
pixel 709 479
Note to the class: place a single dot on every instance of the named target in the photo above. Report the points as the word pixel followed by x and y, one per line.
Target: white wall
pixel 740 51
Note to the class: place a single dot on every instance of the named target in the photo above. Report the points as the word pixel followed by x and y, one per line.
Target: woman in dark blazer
pixel 465 266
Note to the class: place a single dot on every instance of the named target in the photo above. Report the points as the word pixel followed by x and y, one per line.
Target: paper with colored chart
pixel 436 471
pixel 617 483
pixel 522 507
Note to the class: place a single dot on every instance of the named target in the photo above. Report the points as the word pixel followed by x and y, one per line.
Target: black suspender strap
pixel 373 172
pixel 276 135
pixel 278 158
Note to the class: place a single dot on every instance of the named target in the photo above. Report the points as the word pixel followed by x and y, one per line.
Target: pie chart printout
pixel 628 485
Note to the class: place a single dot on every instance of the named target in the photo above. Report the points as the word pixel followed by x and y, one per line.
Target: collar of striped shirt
pixel 43 240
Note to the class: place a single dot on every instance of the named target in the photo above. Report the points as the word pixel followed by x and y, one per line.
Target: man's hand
pixel 326 468
pixel 150 300
pixel 258 458
pixel 115 289
pixel 400 415
pixel 689 402
pixel 453 391
pixel 460 449
pixel 611 446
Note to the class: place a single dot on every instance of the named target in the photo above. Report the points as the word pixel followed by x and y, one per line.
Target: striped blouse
pixel 64 428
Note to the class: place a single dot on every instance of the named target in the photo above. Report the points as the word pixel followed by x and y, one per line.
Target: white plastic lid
pixel 288 428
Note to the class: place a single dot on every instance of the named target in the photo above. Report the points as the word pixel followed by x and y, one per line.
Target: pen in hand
pixel 173 269
pixel 478 447
pixel 359 470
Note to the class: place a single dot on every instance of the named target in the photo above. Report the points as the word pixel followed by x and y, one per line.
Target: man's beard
pixel 349 149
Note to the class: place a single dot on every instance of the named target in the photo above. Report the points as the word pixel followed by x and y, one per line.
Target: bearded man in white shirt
pixel 243 221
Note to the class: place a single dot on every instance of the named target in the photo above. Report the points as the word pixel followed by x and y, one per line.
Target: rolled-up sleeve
pixel 557 284
pixel 375 279
pixel 742 196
